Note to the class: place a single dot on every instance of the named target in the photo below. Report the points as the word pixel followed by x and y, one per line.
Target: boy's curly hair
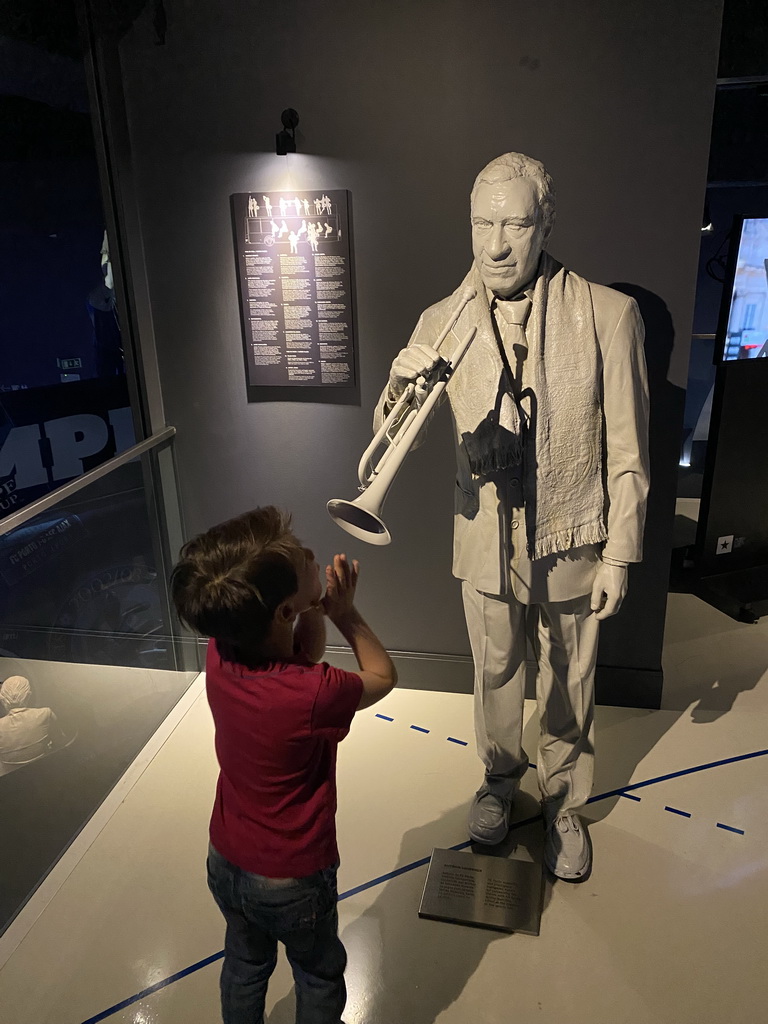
pixel 230 579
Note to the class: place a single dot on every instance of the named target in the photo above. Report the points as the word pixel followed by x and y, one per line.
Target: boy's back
pixel 279 715
pixel 277 729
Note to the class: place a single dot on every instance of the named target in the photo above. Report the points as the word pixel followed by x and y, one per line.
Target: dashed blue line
pixel 418 728
pixel 674 810
pixel 730 828
pixel 630 796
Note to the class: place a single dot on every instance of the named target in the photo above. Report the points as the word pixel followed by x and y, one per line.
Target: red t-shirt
pixel 277 729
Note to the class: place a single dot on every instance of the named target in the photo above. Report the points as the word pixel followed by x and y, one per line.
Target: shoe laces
pixel 566 823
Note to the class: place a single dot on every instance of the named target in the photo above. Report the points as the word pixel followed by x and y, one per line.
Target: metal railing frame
pixel 16 519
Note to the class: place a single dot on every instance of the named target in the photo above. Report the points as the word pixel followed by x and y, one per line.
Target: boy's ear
pixel 284 612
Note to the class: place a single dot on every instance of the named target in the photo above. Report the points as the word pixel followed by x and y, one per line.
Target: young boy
pixel 279 714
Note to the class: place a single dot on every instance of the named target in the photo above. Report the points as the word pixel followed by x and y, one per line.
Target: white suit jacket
pixel 488 510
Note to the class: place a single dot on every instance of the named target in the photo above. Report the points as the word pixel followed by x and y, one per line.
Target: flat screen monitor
pixel 743 329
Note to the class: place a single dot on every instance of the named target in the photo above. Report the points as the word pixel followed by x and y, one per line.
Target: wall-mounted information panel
pixel 296 283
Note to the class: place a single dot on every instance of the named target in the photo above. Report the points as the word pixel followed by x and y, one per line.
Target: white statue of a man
pixel 550 407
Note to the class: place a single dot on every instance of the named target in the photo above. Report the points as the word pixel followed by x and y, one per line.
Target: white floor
pixel 671 927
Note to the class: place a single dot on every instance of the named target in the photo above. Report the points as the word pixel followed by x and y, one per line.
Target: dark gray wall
pixel 402 103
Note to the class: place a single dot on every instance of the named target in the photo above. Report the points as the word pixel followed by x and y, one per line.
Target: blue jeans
pixel 260 912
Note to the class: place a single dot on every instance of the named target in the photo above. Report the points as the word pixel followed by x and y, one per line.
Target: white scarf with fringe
pixel 558 440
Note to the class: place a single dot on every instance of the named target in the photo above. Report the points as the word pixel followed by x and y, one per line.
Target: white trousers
pixel 566 643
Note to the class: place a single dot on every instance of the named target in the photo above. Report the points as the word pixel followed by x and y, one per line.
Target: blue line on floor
pixel 730 828
pixel 622 791
pixel 417 864
pixel 383 878
pixel 631 796
pixel 418 728
pixel 674 810
pixel 155 988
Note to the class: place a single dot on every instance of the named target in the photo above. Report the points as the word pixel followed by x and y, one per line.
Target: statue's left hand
pixel 609 590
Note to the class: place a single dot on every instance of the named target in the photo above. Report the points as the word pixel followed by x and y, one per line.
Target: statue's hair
pixel 15 692
pixel 518 165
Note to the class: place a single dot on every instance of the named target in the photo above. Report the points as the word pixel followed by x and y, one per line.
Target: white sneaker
pixel 567 849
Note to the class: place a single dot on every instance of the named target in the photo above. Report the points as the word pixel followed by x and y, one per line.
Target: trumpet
pixel 396 436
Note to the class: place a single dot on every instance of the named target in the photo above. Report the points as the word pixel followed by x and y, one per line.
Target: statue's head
pixel 512 214
pixel 15 692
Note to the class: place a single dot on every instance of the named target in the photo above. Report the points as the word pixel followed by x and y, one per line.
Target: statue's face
pixel 507 234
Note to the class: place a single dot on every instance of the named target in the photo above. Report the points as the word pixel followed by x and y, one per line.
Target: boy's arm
pixel 309 634
pixel 377 671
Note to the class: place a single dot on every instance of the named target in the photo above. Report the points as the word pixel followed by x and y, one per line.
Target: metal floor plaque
pixel 488 892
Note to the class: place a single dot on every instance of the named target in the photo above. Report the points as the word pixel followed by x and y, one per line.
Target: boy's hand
pixel 341 582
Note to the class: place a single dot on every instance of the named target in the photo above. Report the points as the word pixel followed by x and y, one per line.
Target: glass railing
pixel 91 656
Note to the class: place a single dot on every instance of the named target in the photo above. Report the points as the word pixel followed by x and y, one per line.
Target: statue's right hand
pixel 411 363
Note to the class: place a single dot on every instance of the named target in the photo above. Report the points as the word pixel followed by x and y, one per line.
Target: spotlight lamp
pixel 285 140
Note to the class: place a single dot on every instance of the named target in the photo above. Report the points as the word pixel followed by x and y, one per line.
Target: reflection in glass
pixel 64 404
pixel 91 661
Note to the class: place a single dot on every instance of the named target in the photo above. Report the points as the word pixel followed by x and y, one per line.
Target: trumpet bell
pixel 360 522
pixel 398 433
